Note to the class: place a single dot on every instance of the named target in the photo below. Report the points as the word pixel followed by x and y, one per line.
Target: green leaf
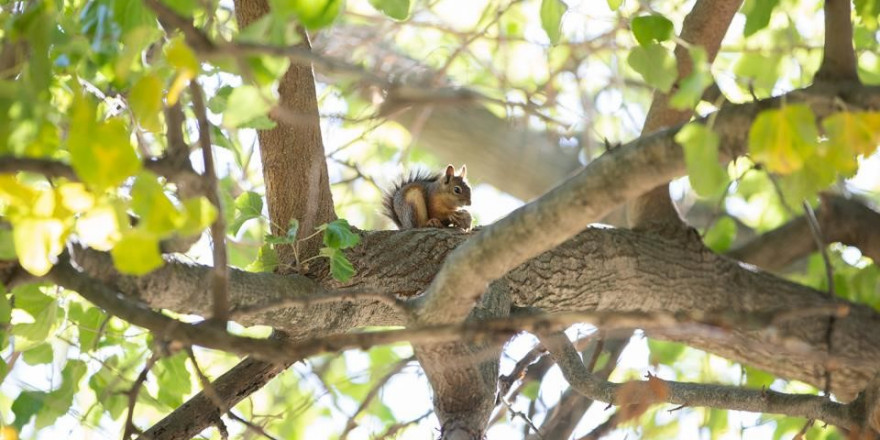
pixel 7 246
pixel 655 64
pixel 314 14
pixel 41 354
pixel 614 4
pixel 650 29
pixel 5 309
pixel 530 390
pixel 396 9
pixel 867 11
pixel 289 237
pixel 782 139
pixel 26 405
pixel 145 100
pixel 200 213
pixel 756 378
pixel 137 253
pixel 705 173
pixel 157 215
pixel 267 260
pixel 762 71
pixel 551 18
pixel 691 88
pixel 663 352
pixel 174 380
pixel 248 205
pixel 720 236
pixel 185 8
pixel 185 63
pixel 100 153
pixel 109 390
pixel 59 401
pixel 44 310
pixel 758 14
pixel 88 322
pixel 244 104
pixel 340 268
pixel 338 234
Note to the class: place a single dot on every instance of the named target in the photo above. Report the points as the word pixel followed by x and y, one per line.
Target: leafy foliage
pixel 91 82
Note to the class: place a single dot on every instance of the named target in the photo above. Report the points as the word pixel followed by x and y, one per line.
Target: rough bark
pixel 292 153
pixel 200 411
pixel 704 26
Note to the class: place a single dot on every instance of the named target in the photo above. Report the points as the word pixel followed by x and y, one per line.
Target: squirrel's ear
pixel 462 172
pixel 450 172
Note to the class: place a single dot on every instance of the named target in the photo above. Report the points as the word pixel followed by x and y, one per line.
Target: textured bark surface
pixel 292 153
pixel 598 269
pixel 233 386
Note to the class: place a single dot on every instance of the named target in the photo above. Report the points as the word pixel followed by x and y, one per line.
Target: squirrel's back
pixel 421 177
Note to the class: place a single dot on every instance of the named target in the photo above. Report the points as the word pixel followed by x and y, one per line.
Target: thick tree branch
pixel 841 220
pixel 851 416
pixel 704 26
pixel 839 56
pixel 614 178
pixel 292 153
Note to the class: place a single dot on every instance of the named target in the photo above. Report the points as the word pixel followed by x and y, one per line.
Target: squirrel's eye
pixel 456 189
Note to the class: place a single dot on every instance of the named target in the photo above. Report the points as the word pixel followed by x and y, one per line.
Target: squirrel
pixel 424 200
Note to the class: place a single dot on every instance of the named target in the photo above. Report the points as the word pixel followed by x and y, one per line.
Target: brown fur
pixel 429 200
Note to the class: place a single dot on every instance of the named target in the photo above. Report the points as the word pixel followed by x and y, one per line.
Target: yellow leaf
pixel 200 213
pixel 782 139
pixel 18 197
pixel 37 242
pixel 855 133
pixel 148 200
pixel 137 253
pixel 182 58
pixel 99 227
pixel 145 100
pixel 8 433
pixel 75 197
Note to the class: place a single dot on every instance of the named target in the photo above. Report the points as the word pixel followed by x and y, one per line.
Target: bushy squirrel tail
pixel 420 175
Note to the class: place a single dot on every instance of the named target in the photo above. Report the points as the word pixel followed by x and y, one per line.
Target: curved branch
pixel 852 416
pixel 841 220
pixel 610 180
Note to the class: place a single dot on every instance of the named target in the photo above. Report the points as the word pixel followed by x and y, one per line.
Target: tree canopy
pixel 675 202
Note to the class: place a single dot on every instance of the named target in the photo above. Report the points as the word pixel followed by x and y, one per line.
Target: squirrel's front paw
pixel 461 220
pixel 434 223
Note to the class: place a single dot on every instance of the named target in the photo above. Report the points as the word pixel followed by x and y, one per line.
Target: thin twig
pixel 220 278
pixel 816 230
pixel 130 429
pixel 351 424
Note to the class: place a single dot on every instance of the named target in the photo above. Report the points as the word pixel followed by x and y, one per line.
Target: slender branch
pixel 841 220
pixel 220 273
pixel 130 428
pixel 46 167
pixel 690 394
pixel 374 391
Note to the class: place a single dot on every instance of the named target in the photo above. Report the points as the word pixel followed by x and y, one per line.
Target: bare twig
pixel 816 231
pixel 130 429
pixel 220 274
pixel 352 422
